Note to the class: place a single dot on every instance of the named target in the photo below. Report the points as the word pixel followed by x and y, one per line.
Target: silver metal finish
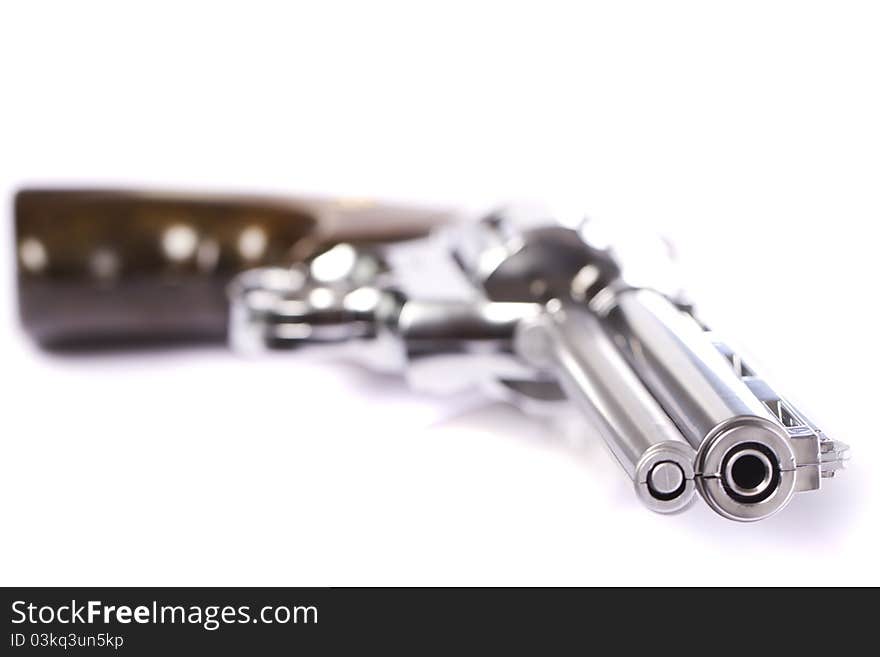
pixel 540 314
pixel 665 478
pixel 720 404
pixel 684 369
pixel 571 343
pixel 702 393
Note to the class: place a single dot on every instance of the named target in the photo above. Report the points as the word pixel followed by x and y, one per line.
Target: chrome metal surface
pixel 719 403
pixel 548 311
pixel 538 313
pixel 683 369
pixel 665 478
pixel 439 346
pixel 571 343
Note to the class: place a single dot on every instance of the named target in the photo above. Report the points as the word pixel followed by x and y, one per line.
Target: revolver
pixel 536 310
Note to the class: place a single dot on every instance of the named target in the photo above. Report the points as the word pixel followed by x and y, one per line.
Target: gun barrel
pixel 746 465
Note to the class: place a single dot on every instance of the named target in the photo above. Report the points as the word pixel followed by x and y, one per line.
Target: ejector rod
pixel 572 344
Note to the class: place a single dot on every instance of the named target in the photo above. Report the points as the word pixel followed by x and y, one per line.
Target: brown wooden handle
pixel 100 267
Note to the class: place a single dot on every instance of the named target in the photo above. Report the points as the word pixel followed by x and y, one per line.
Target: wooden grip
pixel 99 267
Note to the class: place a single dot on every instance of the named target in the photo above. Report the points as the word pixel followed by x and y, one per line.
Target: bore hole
pixel 749 472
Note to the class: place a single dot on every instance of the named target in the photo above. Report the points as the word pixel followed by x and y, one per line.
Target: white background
pixel 747 131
